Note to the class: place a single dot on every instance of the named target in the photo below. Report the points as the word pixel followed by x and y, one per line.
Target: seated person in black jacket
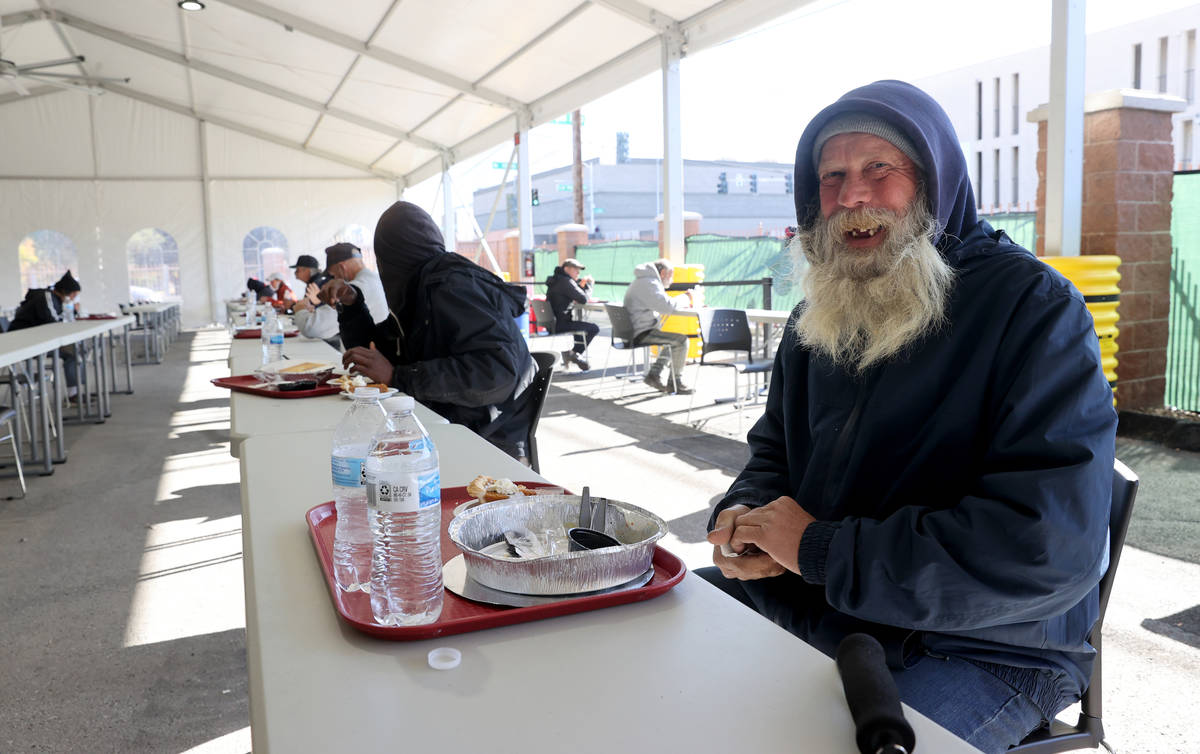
pixel 45 305
pixel 451 338
pixel 563 288
pixel 934 464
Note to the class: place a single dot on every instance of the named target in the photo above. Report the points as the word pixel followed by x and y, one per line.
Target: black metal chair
pixel 623 340
pixel 541 383
pixel 729 330
pixel 543 315
pixel 1088 731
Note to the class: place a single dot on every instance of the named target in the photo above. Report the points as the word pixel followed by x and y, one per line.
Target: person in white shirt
pixel 344 261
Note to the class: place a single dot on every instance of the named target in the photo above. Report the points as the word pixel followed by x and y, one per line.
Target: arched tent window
pixel 265 250
pixel 357 235
pixel 153 257
pixel 45 255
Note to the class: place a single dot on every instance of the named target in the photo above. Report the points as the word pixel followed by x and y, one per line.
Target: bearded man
pixel 934 464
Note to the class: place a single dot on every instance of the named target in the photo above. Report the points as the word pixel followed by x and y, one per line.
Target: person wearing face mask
pixel 934 464
pixel 42 306
pixel 449 337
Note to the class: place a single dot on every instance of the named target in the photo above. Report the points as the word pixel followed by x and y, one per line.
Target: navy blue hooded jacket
pixel 961 489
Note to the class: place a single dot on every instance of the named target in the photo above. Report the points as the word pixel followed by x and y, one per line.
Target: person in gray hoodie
pixel 646 299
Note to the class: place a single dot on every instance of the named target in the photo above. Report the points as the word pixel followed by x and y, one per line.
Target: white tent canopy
pixel 301 116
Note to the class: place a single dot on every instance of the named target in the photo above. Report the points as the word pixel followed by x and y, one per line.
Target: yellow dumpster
pixel 690 326
pixel 1096 277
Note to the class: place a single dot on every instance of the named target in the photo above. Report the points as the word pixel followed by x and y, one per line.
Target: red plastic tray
pixel 257 333
pixel 248 383
pixel 98 316
pixel 461 615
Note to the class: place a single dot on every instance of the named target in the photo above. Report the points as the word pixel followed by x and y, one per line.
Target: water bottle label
pixel 277 339
pixel 348 472
pixel 405 493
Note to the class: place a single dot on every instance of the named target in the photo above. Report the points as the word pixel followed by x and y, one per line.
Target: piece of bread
pixel 305 366
pixel 487 488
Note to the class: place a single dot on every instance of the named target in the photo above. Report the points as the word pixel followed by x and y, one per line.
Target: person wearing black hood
pixel 45 305
pixel 562 289
pixel 934 464
pixel 450 339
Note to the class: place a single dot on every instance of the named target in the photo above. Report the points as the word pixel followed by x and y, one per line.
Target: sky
pixel 749 98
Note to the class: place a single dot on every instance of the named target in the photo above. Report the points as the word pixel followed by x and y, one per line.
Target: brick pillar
pixel 570 235
pixel 1128 161
pixel 510 254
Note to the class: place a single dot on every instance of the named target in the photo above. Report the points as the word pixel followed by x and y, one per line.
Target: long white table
pixel 251 415
pixel 44 340
pixel 691 670
pixel 159 322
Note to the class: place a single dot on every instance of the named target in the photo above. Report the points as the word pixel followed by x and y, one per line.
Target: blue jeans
pixel 960 696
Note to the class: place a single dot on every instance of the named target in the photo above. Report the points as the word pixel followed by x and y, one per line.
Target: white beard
pixel 863 307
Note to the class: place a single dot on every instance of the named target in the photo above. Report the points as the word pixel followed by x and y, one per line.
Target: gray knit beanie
pixel 867 124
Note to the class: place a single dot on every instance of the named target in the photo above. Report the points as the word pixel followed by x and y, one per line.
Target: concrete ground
pixel 120 575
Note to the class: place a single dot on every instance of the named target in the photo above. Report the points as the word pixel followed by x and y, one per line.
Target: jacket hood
pixel 645 270
pixel 406 238
pixel 925 123
pixel 558 273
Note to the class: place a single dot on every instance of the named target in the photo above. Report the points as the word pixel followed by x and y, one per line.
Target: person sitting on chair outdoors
pixel 313 318
pixel 646 299
pixel 563 288
pixel 934 464
pixel 42 306
pixel 451 339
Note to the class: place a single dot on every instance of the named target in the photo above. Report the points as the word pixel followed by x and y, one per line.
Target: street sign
pixel 566 120
pixel 504 165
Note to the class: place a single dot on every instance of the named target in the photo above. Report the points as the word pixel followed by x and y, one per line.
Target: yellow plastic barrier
pixel 690 326
pixel 1096 277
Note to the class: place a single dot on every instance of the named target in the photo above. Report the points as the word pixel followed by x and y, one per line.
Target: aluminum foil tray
pixel 478 531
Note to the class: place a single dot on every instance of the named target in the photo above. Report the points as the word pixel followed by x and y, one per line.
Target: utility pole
pixel 577 172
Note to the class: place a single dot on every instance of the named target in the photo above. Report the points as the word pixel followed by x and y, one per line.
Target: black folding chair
pixel 1088 731
pixel 623 340
pixel 729 330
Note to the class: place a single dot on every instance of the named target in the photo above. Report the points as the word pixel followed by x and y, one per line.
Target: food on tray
pixel 487 488
pixel 305 366
pixel 348 382
pixel 377 385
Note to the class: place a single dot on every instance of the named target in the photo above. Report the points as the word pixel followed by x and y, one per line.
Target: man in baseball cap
pixel 934 465
pixel 344 261
pixel 563 288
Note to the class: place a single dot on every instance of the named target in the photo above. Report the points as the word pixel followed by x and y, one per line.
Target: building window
pixel 153 258
pixel 357 235
pixel 996 107
pixel 1016 173
pixel 45 255
pixel 1162 65
pixel 1137 66
pixel 264 251
pixel 1189 73
pixel 978 110
pixel 1016 103
pixel 996 178
pixel 979 180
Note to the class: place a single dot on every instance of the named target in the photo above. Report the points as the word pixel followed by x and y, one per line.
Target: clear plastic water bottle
pixel 251 302
pixel 352 537
pixel 272 336
pixel 405 513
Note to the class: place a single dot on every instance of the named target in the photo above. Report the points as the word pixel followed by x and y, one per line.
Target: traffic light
pixel 788 186
pixel 722 184
pixel 535 201
pixel 754 183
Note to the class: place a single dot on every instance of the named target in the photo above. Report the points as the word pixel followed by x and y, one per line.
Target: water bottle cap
pixel 444 658
pixel 366 392
pixel 398 403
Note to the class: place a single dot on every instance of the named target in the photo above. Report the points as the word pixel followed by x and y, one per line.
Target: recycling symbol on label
pixel 385 491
